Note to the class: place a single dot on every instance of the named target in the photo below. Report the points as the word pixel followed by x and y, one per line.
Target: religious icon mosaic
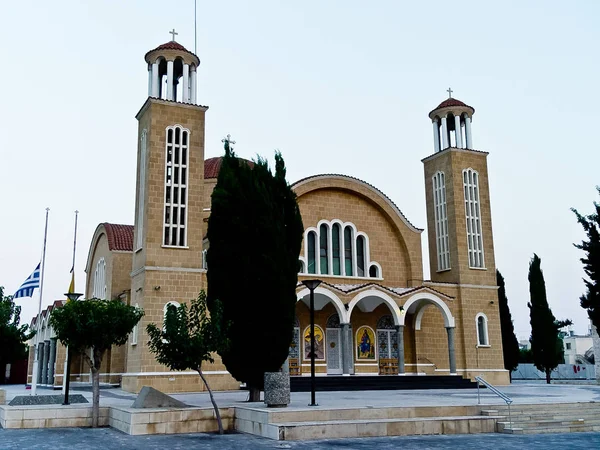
pixel 365 343
pixel 319 343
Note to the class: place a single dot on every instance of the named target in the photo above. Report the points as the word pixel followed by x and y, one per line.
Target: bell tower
pixel 169 227
pixel 459 222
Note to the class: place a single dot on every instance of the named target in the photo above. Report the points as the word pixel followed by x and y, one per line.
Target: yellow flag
pixel 72 285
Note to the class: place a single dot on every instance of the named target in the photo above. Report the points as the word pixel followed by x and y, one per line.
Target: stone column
pixel 149 80
pixel 346 348
pixel 451 353
pixel 40 357
pixel 444 134
pixel 436 135
pixel 170 81
pixel 185 97
pixel 194 89
pixel 457 133
pixel 51 361
pixel 468 135
pixel 400 332
pixel 46 354
pixel 155 80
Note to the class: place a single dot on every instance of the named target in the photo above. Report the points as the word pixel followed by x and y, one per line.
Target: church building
pixel 375 314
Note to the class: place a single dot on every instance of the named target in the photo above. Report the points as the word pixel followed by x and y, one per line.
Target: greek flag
pixel 32 282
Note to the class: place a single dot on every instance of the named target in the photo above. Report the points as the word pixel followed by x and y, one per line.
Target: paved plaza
pixel 106 438
pixel 521 393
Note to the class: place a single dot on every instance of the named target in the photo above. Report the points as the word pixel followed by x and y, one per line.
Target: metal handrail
pixel 493 389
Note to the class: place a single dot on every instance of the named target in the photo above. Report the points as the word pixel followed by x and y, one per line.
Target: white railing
pixel 492 389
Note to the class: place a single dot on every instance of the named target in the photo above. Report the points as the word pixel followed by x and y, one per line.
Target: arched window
pixel 141 190
pixel 134 332
pixel 333 321
pixel 204 263
pixel 360 256
pixel 348 238
pixel 166 307
pixel 373 271
pixel 335 248
pixel 176 184
pixel 482 330
pixel 441 221
pixel 312 263
pixel 323 249
pixel 99 290
pixel 301 268
pixel 473 218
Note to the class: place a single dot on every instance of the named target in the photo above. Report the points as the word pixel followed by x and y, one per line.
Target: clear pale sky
pixel 337 86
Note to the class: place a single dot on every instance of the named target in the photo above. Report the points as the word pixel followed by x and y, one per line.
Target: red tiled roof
pixel 449 102
pixel 212 166
pixel 120 237
pixel 171 45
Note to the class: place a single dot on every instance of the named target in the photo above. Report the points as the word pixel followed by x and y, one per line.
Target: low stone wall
pixel 179 382
pixel 2 396
pixel 50 416
pixel 169 421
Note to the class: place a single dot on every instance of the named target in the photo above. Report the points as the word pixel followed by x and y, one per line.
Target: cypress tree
pixel 510 345
pixel 546 343
pixel 255 232
pixel 591 263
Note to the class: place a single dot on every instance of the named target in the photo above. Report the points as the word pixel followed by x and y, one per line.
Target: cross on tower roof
pixel 449 91
pixel 174 33
pixel 228 142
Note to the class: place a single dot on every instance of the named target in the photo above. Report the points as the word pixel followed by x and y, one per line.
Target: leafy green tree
pixel 510 344
pixel 525 356
pixel 255 232
pixel 97 325
pixel 189 338
pixel 546 343
pixel 13 336
pixel 591 262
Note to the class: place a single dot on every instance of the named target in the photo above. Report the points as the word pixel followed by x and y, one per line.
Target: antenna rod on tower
pixel 195 28
pixel 74 245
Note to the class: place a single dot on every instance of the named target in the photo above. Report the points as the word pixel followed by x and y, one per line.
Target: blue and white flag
pixel 32 282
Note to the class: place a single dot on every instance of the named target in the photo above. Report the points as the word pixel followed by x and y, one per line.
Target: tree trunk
pixel 95 397
pixel 548 372
pixel 254 394
pixel 212 400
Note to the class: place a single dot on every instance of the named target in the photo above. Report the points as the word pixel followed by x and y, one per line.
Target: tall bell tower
pixel 459 221
pixel 167 259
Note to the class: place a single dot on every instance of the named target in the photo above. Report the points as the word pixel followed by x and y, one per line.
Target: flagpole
pixel 37 321
pixel 74 242
pixel 66 372
pixel 195 33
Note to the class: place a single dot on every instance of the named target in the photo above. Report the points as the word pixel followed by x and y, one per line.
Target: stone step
pixel 555 429
pixel 545 407
pixel 501 425
pixel 384 427
pixel 270 416
pixel 571 416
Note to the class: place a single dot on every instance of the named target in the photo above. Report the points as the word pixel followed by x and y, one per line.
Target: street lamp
pixel 312 285
pixel 72 296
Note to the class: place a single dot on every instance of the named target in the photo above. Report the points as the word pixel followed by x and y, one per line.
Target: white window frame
pixel 473 219
pixel 141 191
pixel 355 235
pixel 99 290
pixel 486 336
pixel 183 183
pixel 441 221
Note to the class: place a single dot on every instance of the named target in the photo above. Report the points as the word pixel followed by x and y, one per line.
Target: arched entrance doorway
pixel 330 323
pixel 429 315
pixel 378 340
